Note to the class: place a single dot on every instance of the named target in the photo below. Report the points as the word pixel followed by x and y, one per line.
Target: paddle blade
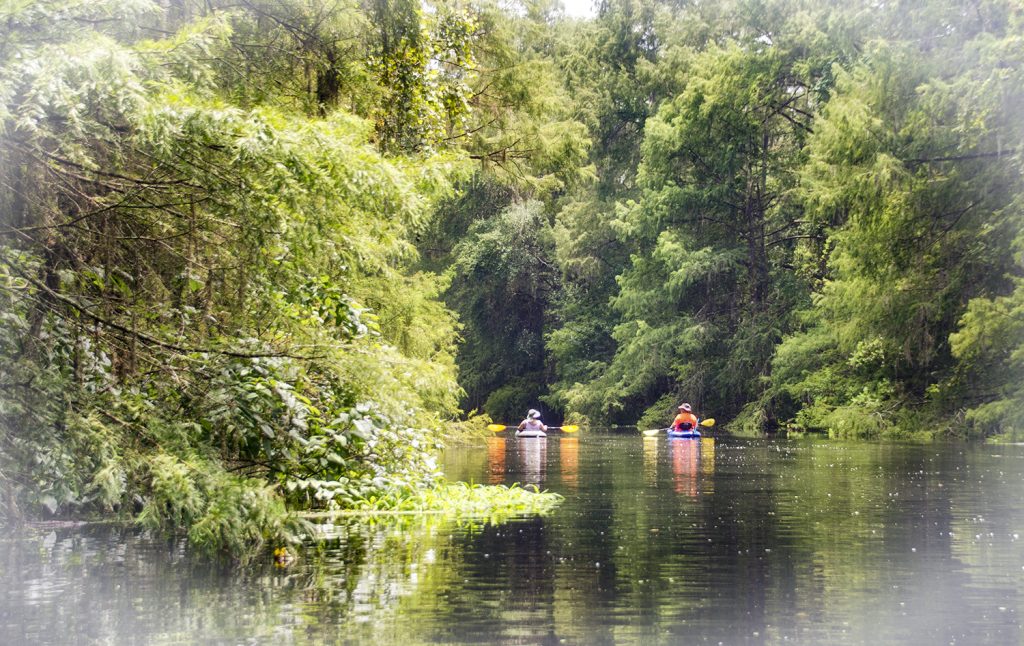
pixel 708 422
pixel 571 428
pixel 496 427
pixel 653 431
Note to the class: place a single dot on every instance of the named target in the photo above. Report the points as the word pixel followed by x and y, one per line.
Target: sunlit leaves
pixel 423 63
pixel 207 298
pixel 905 174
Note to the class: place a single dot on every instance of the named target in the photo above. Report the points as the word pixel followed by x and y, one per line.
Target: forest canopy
pixel 263 255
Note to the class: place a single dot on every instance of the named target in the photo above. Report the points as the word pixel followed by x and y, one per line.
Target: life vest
pixel 684 422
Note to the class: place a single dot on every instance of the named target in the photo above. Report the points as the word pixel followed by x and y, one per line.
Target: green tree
pixel 618 68
pixel 185 287
pixel 910 177
pixel 706 294
pixel 521 135
pixel 503 280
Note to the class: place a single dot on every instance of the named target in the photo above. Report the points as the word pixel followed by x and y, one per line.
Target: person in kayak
pixel 532 422
pixel 685 420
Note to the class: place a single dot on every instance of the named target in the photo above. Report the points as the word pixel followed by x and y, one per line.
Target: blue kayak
pixel 692 434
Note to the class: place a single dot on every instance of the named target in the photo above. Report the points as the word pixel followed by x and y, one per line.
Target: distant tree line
pixel 803 216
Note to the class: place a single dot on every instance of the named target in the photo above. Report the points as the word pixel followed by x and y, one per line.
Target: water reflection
pixel 651 460
pixel 532 453
pixel 685 455
pixel 707 464
pixel 569 459
pixel 803 542
pixel 495 460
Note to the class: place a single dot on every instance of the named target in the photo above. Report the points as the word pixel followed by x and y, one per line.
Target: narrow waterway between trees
pixel 724 540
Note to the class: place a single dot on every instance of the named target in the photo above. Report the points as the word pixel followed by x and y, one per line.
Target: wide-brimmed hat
pixel 686 407
pixel 533 414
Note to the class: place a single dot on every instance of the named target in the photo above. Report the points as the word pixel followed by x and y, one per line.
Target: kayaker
pixel 685 420
pixel 532 422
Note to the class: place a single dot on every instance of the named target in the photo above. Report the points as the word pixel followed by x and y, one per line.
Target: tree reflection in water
pixel 807 541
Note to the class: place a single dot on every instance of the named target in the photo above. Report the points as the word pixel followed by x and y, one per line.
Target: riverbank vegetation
pixel 258 256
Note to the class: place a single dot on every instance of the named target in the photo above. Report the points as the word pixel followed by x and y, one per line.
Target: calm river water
pixel 731 541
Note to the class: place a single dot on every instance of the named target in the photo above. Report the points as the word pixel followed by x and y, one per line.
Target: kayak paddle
pixel 568 428
pixel 704 422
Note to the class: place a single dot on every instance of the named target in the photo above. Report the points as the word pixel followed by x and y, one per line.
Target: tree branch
pixel 142 336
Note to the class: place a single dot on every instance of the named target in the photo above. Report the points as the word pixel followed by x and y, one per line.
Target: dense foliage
pixel 804 216
pixel 209 306
pixel 808 218
pixel 263 254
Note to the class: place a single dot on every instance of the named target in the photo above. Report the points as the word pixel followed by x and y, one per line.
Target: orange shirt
pixel 684 417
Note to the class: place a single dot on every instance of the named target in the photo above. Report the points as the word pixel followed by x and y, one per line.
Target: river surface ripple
pixel 725 540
